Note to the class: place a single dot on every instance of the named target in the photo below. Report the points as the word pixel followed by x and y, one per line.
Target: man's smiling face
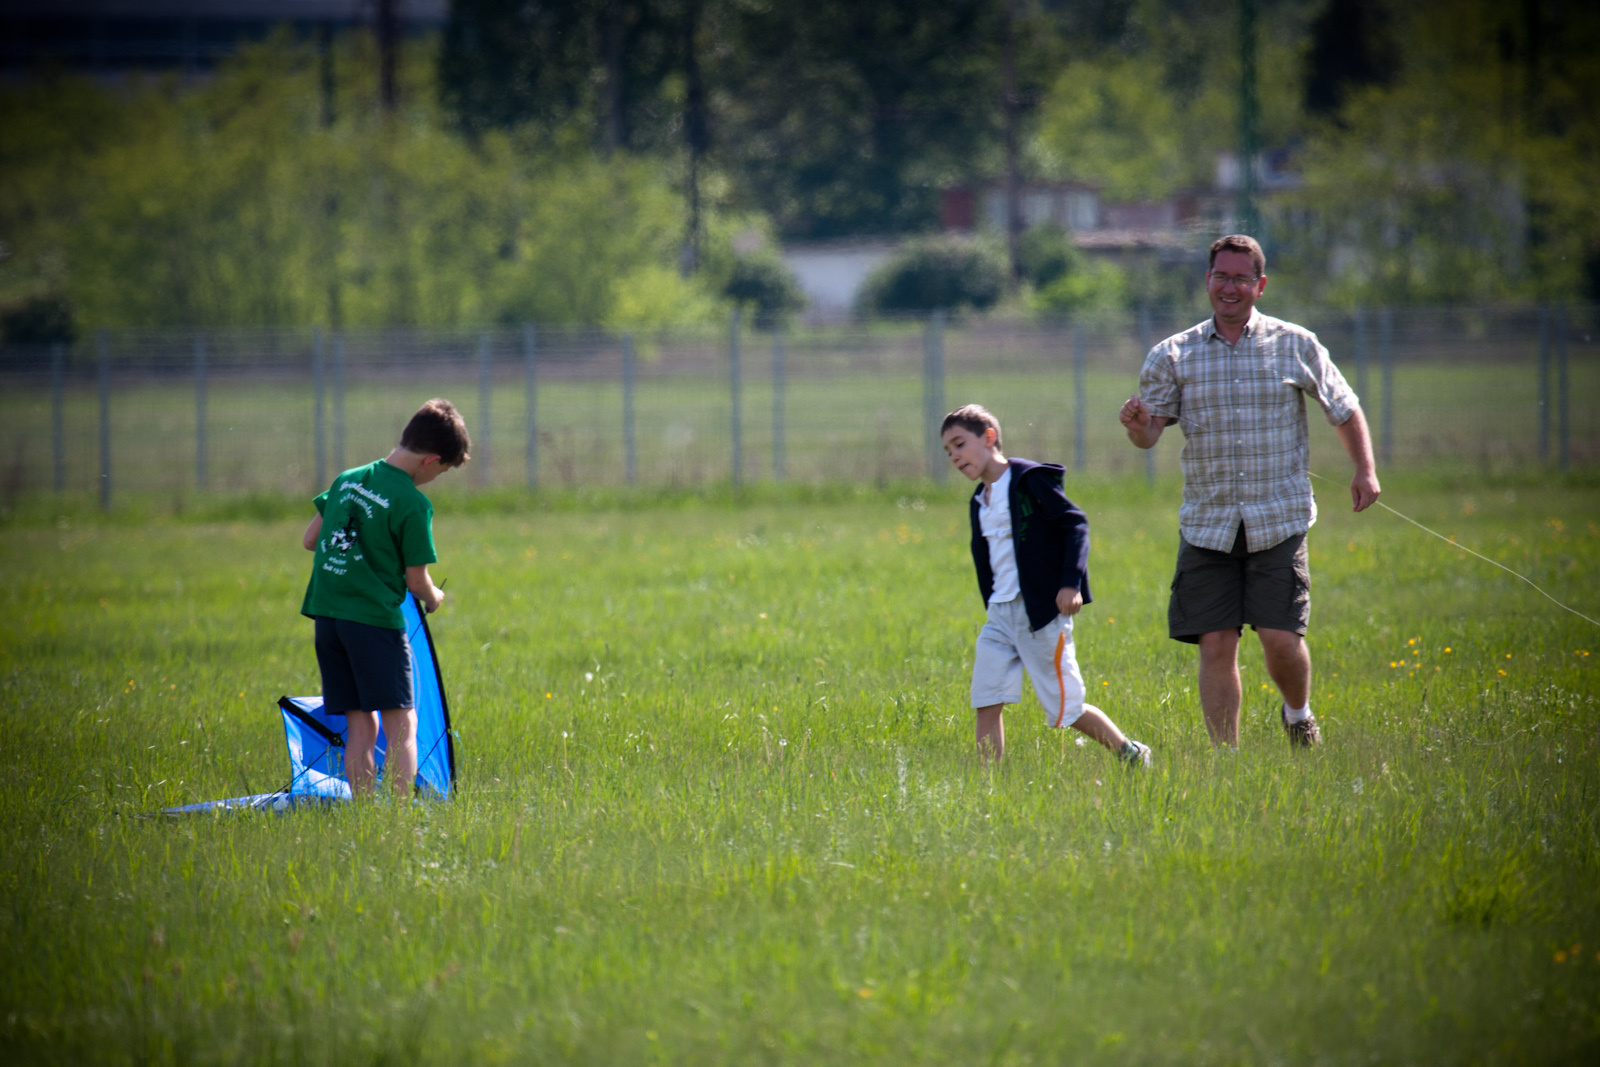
pixel 1234 287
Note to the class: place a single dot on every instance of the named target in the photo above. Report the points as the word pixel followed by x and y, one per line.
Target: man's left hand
pixel 1364 490
pixel 1069 601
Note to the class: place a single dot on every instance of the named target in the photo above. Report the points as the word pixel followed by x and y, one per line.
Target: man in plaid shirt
pixel 1237 385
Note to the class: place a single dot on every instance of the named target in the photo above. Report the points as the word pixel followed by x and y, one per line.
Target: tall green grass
pixel 717 802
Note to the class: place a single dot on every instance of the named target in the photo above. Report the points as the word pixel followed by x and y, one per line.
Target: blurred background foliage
pixel 936 272
pixel 637 162
pixel 256 198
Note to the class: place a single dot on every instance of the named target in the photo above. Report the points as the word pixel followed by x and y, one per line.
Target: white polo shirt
pixel 994 519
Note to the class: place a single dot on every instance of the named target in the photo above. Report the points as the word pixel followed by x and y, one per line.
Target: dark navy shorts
pixel 364 668
pixel 1267 590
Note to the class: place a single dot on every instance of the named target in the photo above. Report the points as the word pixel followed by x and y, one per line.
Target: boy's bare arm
pixel 313 533
pixel 1069 601
pixel 420 583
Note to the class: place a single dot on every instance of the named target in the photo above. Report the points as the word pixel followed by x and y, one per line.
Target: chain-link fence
pixel 283 410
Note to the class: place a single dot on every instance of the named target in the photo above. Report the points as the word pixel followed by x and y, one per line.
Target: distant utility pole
pixel 611 32
pixel 1249 222
pixel 1008 111
pixel 330 206
pixel 388 41
pixel 325 70
pixel 694 133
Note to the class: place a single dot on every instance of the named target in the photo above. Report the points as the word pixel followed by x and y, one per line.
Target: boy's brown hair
pixel 438 429
pixel 1239 242
pixel 974 418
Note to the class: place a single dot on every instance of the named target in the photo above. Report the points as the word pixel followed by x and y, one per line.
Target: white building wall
pixel 832 274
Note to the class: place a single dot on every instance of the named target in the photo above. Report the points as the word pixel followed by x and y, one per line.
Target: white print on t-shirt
pixel 339 543
pixel 364 491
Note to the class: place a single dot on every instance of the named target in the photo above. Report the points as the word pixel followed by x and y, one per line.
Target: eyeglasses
pixel 1243 281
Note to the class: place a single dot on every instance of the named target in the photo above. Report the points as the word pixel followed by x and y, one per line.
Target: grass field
pixel 717 802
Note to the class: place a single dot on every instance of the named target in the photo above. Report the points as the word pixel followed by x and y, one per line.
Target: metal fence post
pixel 630 457
pixel 1544 382
pixel 58 413
pixel 1081 403
pixel 780 462
pixel 1562 386
pixel 530 381
pixel 1386 354
pixel 105 420
pixel 320 427
pixel 200 411
pixel 1360 327
pixel 933 395
pixel 737 427
pixel 1144 350
pixel 484 451
pixel 338 402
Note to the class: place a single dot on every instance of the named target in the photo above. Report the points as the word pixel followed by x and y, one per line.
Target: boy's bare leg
pixel 360 745
pixel 400 749
pixel 992 732
pixel 1219 685
pixel 1289 664
pixel 1098 725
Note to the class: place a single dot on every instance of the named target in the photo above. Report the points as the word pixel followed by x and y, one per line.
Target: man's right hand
pixel 1144 428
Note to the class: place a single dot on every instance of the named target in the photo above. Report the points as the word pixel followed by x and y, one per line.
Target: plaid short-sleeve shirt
pixel 1242 409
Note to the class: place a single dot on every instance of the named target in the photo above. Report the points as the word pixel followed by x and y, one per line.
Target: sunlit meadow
pixel 717 802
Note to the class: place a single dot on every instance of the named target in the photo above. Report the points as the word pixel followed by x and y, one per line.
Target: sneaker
pixel 1135 754
pixel 1302 734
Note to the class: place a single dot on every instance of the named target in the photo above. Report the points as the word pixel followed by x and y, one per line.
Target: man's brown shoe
pixel 1302 734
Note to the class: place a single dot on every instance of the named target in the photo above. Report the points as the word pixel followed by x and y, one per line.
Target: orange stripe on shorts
pixel 1061 684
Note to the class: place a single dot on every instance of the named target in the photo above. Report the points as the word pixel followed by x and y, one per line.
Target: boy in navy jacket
pixel 1031 548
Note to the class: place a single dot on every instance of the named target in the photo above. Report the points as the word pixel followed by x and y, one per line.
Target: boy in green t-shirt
pixel 373 539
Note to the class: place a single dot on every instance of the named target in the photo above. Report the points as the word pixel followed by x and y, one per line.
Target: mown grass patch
pixel 717 803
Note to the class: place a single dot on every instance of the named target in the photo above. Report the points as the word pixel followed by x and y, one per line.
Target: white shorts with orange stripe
pixel 1006 647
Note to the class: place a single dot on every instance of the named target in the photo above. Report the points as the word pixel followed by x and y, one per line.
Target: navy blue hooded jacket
pixel 1049 534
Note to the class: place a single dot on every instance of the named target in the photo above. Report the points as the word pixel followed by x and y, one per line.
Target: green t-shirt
pixel 375 524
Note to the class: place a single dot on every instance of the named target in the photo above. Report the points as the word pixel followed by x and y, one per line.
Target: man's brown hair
pixel 438 429
pixel 1238 242
pixel 974 418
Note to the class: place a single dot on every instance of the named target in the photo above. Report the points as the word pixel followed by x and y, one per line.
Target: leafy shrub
pixel 938 272
pixel 1095 287
pixel 1045 253
pixel 766 282
pixel 653 296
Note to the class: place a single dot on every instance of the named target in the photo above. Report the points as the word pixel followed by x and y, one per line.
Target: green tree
pixel 234 203
pixel 1468 175
pixel 1146 118
pixel 843 118
pixel 599 65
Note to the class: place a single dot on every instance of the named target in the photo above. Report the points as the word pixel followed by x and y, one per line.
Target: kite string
pixel 1418 525
pixel 1452 542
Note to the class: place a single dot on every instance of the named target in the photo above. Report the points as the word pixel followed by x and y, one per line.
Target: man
pixel 1237 384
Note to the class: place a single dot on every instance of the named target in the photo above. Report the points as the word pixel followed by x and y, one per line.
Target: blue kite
pixel 316 739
